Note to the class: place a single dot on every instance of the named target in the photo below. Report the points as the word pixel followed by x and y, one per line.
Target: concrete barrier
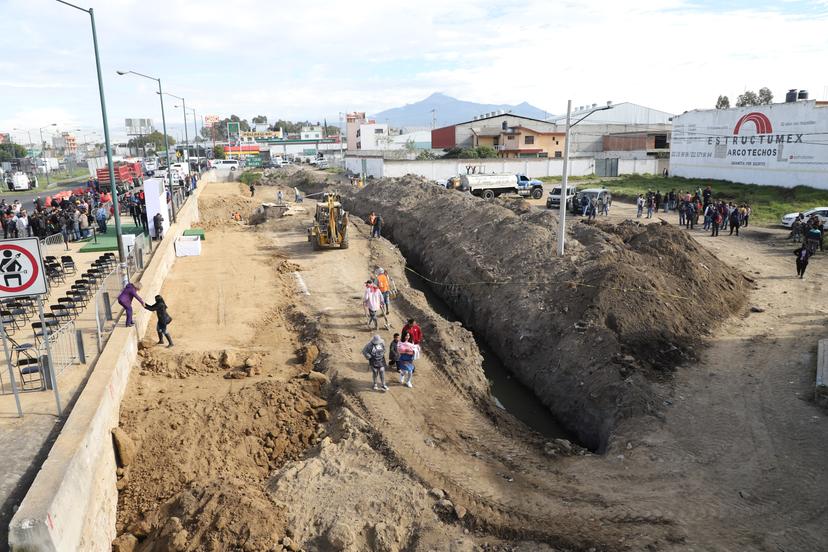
pixel 72 502
pixel 821 388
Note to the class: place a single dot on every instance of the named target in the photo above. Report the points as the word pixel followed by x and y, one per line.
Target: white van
pixel 231 164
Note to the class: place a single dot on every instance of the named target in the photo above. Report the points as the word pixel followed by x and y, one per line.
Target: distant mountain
pixel 449 111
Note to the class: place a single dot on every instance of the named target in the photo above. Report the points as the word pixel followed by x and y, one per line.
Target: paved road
pixel 27 199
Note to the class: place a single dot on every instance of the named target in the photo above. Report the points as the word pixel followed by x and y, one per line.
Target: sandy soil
pixel 734 461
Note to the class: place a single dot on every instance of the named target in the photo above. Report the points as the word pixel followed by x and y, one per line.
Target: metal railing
pixel 53 244
pixel 63 343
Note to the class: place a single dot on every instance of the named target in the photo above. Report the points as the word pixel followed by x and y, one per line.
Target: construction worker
pixel 385 287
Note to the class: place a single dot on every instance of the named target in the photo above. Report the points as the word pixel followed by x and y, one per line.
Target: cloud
pixel 316 59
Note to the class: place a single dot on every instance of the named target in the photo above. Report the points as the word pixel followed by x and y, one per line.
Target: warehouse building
pixel 784 144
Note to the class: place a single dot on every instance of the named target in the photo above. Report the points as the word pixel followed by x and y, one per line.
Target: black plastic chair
pixel 28 365
pixel 68 264
pixel 38 329
pixel 62 313
pixel 70 304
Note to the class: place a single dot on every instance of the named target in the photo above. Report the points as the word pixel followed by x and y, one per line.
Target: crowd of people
pixel 404 347
pixel 73 215
pixel 716 216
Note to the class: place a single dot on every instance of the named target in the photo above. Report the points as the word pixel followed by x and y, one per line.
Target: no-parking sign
pixel 21 268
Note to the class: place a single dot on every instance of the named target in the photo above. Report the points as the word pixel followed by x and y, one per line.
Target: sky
pixel 313 60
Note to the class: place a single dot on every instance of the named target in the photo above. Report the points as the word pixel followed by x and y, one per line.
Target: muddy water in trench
pixel 517 399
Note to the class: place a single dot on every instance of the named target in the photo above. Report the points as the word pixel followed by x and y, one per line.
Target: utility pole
pixel 564 185
pixel 433 119
pixel 565 176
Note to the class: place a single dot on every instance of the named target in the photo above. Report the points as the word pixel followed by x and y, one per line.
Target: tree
pixel 765 96
pixel 153 140
pixel 259 119
pixel 747 99
pixel 9 151
pixel 218 152
pixel 723 102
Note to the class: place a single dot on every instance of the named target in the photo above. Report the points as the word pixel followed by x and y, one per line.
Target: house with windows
pixel 510 135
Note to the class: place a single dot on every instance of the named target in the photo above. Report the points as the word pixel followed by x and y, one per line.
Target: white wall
pixel 778 144
pixel 441 169
pixel 369 139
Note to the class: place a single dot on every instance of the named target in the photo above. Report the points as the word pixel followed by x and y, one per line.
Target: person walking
pixel 802 258
pixel 164 319
pixel 413 329
pixel 372 301
pixel 252 189
pixel 734 221
pixel 639 204
pixel 374 353
pixel 407 351
pixel 129 293
pixel 385 288
pixel 376 228
pixel 394 353
pixel 715 222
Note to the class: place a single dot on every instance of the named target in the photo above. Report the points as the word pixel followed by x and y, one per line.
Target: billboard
pixel 779 144
pixel 210 120
pixel 138 127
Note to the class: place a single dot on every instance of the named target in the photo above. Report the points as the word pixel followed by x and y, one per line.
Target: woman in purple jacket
pixel 129 293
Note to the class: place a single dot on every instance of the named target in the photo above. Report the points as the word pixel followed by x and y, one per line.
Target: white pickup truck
pixel 489 186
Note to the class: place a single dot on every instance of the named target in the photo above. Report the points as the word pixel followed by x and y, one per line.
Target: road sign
pixel 21 268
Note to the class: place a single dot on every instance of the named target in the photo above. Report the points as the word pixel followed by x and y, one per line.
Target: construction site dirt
pixel 259 430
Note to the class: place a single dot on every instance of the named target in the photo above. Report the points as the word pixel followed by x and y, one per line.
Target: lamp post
pixel 28 133
pixel 565 177
pixel 341 142
pixel 164 126
pixel 186 137
pixel 43 152
pixel 195 125
pixel 113 188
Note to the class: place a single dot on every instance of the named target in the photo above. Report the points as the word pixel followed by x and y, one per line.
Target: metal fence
pixel 54 244
pixel 63 343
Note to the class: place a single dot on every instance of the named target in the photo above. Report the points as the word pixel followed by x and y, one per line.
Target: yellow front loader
pixel 330 224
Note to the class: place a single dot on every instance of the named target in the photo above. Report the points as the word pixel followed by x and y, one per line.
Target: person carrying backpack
pixel 374 353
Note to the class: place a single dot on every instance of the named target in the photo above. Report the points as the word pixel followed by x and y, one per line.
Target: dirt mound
pixel 361 501
pixel 243 435
pixel 590 332
pixel 219 516
pixel 218 210
pixel 183 365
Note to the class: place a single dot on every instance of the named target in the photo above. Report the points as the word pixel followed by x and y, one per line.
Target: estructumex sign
pixel 779 144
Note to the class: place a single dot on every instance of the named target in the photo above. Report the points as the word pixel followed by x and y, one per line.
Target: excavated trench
pixel 592 334
pixel 509 393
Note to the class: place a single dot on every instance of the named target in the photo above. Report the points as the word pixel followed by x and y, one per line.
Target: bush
pixel 250 177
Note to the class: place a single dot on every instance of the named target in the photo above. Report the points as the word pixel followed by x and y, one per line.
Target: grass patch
pixel 334 170
pixel 769 203
pixel 557 179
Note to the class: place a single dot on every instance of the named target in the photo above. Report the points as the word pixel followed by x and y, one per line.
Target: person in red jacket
pixel 413 329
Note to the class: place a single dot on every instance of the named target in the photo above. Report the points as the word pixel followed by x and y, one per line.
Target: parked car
pixel 821 212
pixel 553 201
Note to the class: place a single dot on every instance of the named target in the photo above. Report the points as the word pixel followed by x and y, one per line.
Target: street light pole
pixel 166 139
pixel 564 185
pixel 43 153
pixel 565 176
pixel 113 188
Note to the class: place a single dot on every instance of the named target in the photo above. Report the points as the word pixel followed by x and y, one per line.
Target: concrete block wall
pixel 72 502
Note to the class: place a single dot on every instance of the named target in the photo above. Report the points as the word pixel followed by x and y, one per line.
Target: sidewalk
pixel 26 441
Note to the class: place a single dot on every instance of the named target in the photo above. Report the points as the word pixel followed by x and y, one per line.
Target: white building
pixel 783 144
pixel 311 133
pixel 372 136
pixel 624 113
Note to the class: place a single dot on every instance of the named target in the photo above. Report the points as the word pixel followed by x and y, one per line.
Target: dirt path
pixel 502 481
pixel 735 461
pixel 735 464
